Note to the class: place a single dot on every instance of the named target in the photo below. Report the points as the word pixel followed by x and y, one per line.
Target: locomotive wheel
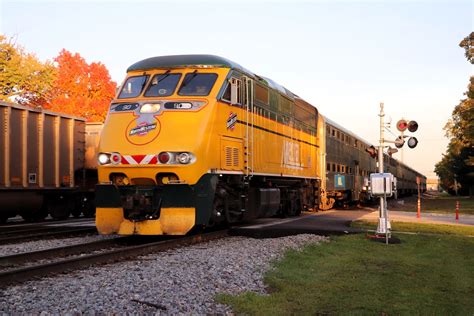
pixel 36 216
pixel 221 204
pixel 59 207
pixel 233 216
pixel 84 204
pixel 76 213
pixel 291 208
pixel 89 210
pixel 296 209
pixel 218 209
pixel 291 204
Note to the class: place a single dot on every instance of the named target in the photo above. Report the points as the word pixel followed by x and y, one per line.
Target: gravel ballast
pixel 179 281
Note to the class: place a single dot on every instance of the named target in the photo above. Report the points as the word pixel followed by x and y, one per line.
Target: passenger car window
pixel 197 84
pixel 162 85
pixel 133 87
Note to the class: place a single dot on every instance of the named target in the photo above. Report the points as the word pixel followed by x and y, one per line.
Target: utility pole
pixel 384 224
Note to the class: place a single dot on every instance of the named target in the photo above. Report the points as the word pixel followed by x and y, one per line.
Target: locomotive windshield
pixel 162 85
pixel 197 84
pixel 133 87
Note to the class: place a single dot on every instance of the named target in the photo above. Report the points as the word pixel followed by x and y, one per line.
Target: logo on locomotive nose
pixel 143 130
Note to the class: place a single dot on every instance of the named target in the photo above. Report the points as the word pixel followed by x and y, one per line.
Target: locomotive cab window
pixel 162 85
pixel 133 87
pixel 197 84
pixel 233 91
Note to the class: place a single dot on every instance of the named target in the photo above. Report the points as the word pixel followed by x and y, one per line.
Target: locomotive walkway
pixel 336 222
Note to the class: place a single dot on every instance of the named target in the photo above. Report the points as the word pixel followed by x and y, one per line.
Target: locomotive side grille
pixel 236 156
pixel 231 149
pixel 228 156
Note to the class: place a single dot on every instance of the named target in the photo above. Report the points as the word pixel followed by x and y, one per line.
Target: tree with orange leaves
pixel 79 88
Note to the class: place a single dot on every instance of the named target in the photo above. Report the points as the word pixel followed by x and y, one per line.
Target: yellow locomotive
pixel 197 140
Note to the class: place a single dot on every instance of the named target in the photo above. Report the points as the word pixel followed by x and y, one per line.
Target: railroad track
pixel 80 261
pixel 22 223
pixel 44 232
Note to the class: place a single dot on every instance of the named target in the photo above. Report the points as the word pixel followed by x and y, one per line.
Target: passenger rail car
pixel 198 140
pixel 349 165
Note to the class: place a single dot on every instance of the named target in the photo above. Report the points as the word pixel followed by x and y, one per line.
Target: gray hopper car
pixel 46 167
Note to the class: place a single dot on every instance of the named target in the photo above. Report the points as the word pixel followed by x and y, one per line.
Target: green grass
pixel 444 229
pixel 441 204
pixel 424 275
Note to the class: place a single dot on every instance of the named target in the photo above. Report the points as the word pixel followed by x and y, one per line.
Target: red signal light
pixel 164 157
pixel 372 151
pixel 402 125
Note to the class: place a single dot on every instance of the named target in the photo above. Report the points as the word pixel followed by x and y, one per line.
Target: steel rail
pixel 76 263
pixel 12 238
pixel 38 229
pixel 25 224
pixel 22 258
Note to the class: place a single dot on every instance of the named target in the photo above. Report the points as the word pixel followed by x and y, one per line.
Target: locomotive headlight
pixel 184 158
pixel 103 158
pixel 150 108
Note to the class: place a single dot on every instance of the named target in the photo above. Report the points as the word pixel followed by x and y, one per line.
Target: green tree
pixel 23 78
pixel 457 164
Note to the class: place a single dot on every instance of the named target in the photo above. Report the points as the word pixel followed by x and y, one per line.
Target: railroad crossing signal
pixel 399 142
pixel 412 126
pixel 391 151
pixel 412 142
pixel 402 126
pixel 372 151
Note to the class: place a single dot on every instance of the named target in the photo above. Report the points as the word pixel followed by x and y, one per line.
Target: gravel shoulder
pixel 179 281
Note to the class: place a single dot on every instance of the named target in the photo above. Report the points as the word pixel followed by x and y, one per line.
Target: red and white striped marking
pixel 139 159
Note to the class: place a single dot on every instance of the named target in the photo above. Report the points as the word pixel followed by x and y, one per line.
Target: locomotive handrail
pixel 249 131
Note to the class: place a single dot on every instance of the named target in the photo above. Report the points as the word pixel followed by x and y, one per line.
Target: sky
pixel 344 57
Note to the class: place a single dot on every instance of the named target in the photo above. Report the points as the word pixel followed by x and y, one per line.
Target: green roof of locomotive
pixel 179 61
pixel 184 61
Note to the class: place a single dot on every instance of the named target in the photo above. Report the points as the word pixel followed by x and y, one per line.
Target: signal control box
pixel 382 184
